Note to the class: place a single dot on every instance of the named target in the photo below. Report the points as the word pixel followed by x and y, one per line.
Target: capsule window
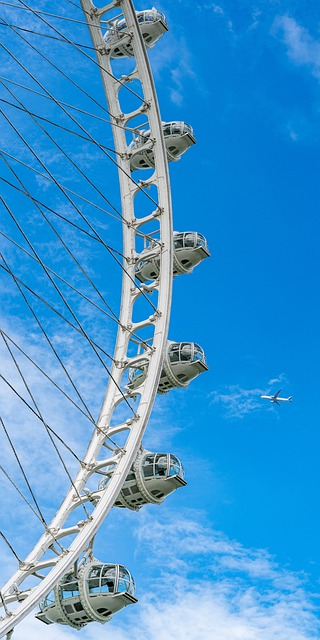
pixel 174 353
pixel 189 240
pixel 69 588
pixel 186 352
pixel 175 467
pixel 78 606
pixel 108 580
pixel 101 579
pixel 201 241
pixel 161 465
pixel 198 353
pixel 178 241
pixel 122 585
pixel 147 467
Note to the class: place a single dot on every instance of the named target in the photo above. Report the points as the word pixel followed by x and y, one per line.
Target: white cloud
pixel 280 379
pixel 201 586
pixel 175 61
pixel 236 402
pixel 213 587
pixel 302 47
pixel 211 6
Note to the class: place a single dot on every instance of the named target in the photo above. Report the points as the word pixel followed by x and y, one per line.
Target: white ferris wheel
pixel 61 574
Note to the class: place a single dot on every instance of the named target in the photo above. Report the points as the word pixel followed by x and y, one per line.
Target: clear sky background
pixel 235 554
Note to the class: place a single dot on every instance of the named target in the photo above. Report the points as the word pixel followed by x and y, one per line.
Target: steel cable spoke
pixel 66 104
pixel 83 52
pixel 78 210
pixel 40 515
pixel 47 339
pixel 60 315
pixel 45 13
pixel 51 432
pixel 3 333
pixel 81 329
pixel 67 113
pixel 46 35
pixel 110 315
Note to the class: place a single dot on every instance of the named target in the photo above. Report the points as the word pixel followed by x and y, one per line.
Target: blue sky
pixel 235 554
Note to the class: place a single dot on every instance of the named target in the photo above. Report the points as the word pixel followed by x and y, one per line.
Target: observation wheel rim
pixel 147 395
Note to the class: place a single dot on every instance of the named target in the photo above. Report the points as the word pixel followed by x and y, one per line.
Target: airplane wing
pixel 278 403
pixel 276 394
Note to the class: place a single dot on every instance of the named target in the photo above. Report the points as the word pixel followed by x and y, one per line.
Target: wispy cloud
pixel 203 585
pixel 302 47
pixel 240 592
pixel 176 61
pixel 236 402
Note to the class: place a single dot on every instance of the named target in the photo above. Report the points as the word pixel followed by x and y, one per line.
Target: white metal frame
pixel 122 459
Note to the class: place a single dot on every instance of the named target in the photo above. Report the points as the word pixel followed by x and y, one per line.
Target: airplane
pixel 275 398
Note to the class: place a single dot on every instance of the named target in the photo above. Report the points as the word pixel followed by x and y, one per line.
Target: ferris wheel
pixel 61 573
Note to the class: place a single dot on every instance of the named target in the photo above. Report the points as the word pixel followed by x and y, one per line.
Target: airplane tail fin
pixel 290 398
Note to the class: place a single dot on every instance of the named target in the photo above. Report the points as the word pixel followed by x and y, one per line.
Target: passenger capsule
pixel 93 595
pixel 178 137
pixel 152 478
pixel 119 39
pixel 183 361
pixel 189 249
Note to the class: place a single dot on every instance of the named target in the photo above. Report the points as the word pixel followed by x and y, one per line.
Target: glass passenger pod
pixel 178 137
pixel 99 591
pixel 189 249
pixel 183 362
pixel 152 478
pixel 152 25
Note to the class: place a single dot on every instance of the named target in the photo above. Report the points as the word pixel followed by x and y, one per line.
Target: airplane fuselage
pixel 277 399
